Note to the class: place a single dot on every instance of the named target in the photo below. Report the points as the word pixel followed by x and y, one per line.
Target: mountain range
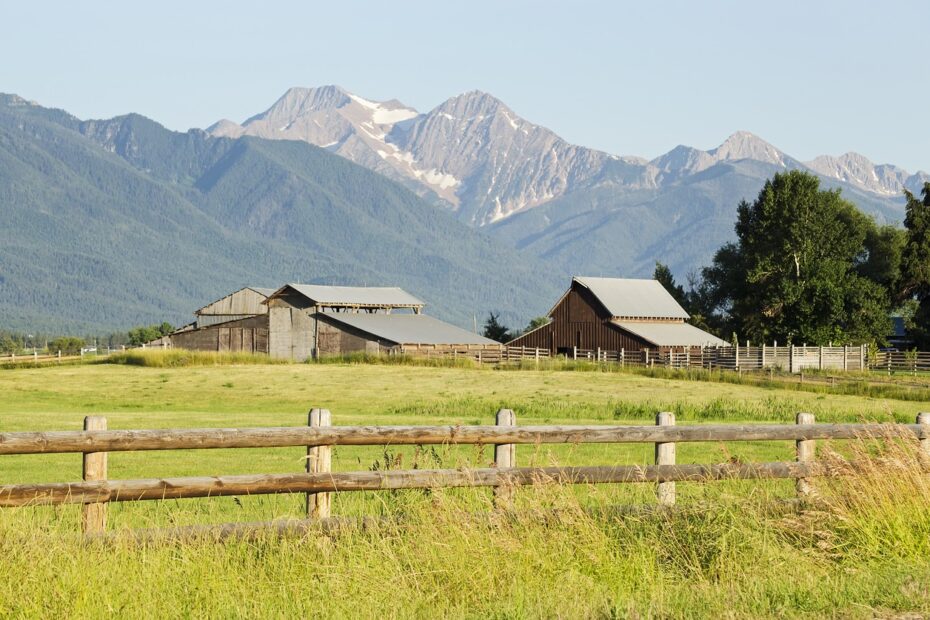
pixel 567 204
pixel 113 223
pixel 110 224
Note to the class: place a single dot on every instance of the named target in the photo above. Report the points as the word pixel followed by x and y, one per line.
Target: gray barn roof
pixel 671 334
pixel 380 296
pixel 407 328
pixel 625 297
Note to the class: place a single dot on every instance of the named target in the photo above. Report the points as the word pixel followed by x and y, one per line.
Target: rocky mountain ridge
pixel 476 156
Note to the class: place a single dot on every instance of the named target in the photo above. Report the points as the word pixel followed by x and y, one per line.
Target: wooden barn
pixel 613 314
pixel 300 321
pixel 234 323
pixel 244 303
pixel 307 320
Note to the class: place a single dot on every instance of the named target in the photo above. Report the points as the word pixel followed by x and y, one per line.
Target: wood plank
pixel 270 437
pixel 262 484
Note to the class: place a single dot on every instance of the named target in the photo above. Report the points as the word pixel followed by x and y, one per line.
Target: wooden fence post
pixel 505 456
pixel 94 516
pixel 665 455
pixel 805 449
pixel 319 461
pixel 924 420
pixel 845 357
pixel 820 359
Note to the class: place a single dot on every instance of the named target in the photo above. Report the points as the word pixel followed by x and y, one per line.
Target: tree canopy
pixel 801 269
pixel 494 330
pixel 915 264
pixel 146 333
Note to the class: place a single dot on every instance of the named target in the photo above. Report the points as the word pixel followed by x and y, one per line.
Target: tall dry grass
pixel 860 550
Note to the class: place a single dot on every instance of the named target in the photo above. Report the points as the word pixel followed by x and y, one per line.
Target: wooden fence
pixel 900 361
pixel 789 359
pixel 95 491
pixel 486 354
pixel 36 358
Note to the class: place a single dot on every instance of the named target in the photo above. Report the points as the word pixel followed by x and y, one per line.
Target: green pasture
pixel 733 560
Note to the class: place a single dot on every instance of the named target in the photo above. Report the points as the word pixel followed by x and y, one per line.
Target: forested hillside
pixel 108 224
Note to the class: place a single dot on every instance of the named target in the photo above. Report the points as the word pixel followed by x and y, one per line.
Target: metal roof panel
pixel 407 328
pixel 671 334
pixel 356 295
pixel 628 297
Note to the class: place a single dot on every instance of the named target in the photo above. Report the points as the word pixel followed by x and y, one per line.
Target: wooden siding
pixel 247 335
pixel 580 320
pixel 340 339
pixel 245 302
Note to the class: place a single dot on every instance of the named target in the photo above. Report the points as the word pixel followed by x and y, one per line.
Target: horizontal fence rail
pixel 264 484
pixel 286 436
pixel 319 482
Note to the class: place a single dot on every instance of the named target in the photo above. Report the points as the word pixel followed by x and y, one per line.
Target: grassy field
pixel 863 555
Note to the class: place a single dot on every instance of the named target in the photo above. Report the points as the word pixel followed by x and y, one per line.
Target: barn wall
pixel 247 335
pixel 290 332
pixel 579 320
pixel 244 302
pixel 337 339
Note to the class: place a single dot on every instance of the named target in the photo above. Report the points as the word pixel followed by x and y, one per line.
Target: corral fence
pixel 37 359
pixel 793 359
pixel 486 354
pixel 901 361
pixel 319 482
pixel 786 358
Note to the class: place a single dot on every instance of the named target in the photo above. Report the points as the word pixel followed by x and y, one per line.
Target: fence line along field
pixel 725 553
pixel 320 481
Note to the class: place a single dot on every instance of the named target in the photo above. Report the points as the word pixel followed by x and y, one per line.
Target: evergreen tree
pixel 494 330
pixel 915 264
pixel 664 275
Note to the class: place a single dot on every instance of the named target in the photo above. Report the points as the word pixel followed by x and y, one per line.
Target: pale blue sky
pixel 632 79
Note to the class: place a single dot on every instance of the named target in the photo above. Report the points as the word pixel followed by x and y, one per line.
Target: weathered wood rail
pixel 318 482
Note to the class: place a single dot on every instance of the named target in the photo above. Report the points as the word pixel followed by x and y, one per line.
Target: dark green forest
pixel 112 224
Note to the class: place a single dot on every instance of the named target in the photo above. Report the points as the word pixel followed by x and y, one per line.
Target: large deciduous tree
pixel 800 269
pixel 915 264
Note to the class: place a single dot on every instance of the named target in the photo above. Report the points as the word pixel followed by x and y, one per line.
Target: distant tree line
pixel 808 266
pixel 19 343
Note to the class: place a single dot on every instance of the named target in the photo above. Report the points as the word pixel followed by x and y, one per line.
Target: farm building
pixel 613 314
pixel 299 321
pixel 244 303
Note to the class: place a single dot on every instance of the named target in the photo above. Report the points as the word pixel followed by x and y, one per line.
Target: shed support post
pixel 805 449
pixel 94 516
pixel 319 461
pixel 665 455
pixel 505 456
